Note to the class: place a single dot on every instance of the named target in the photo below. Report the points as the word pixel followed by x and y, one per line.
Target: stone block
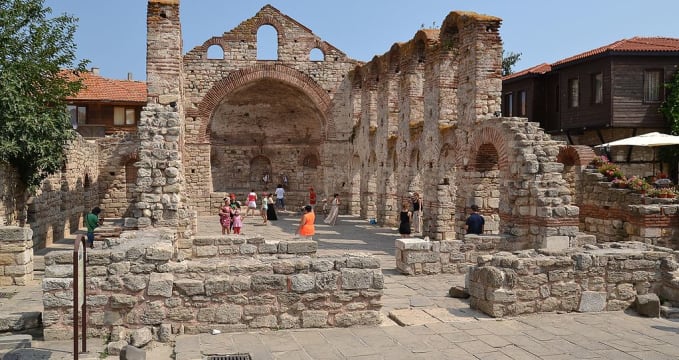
pixel 353 279
pixel 592 301
pixel 413 244
pixel 458 292
pixel 301 247
pixel 15 233
pixel 647 305
pixel 302 283
pixel 314 318
pixel 190 287
pixel 556 242
pixel 141 337
pixel 160 251
pixel 130 352
pixel 363 318
pixel 10 342
pixel 160 284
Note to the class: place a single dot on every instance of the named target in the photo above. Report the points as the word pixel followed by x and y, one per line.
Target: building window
pixel 597 88
pixel 652 85
pixel 522 103
pixel 574 93
pixel 124 116
pixel 508 105
pixel 78 114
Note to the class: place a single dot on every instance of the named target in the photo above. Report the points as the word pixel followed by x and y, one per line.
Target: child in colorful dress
pixel 237 222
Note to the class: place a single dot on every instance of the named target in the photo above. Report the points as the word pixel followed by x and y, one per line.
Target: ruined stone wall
pixel 613 214
pixel 63 199
pixel 118 174
pixel 245 283
pixel 423 120
pixel 606 279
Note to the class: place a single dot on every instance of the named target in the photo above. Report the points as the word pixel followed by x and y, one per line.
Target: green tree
pixel 508 61
pixel 670 110
pixel 34 123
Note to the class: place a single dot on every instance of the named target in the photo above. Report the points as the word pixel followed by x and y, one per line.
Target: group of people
pixel 410 217
pixel 231 218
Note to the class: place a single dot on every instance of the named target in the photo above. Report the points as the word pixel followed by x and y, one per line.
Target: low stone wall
pixel 600 279
pixel 234 245
pixel 416 256
pixel 16 255
pixel 137 285
pixel 614 215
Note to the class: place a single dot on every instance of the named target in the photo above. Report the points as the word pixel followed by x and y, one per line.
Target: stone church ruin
pixel 420 117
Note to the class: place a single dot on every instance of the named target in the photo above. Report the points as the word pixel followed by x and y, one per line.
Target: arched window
pixel 215 52
pixel 310 161
pixel 316 54
pixel 267 43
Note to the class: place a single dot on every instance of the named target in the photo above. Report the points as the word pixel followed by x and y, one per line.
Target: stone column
pixel 160 179
pixel 16 255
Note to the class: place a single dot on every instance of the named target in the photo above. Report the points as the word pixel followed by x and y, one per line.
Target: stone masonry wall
pixel 606 279
pixel 230 283
pixel 613 214
pixel 16 255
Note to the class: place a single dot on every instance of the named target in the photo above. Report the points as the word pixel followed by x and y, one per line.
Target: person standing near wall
pixel 225 213
pixel 306 227
pixel 92 221
pixel 252 203
pixel 475 222
pixel 263 211
pixel 280 197
pixel 404 218
pixel 417 213
pixel 331 219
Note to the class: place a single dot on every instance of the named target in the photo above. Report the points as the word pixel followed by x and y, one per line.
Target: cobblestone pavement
pixel 438 327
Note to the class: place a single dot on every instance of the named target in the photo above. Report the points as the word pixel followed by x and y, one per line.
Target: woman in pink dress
pixel 225 213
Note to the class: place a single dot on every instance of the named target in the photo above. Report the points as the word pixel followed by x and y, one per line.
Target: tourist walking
pixel 334 210
pixel 92 221
pixel 270 209
pixel 306 227
pixel 404 220
pixel 225 213
pixel 252 203
pixel 237 222
pixel 280 197
pixel 417 213
pixel 263 211
pixel 475 222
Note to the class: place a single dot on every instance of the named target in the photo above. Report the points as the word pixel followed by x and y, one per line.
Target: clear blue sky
pixel 112 34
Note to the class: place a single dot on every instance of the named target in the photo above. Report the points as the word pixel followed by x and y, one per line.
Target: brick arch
pixel 580 155
pixel 268 20
pixel 239 78
pixel 488 135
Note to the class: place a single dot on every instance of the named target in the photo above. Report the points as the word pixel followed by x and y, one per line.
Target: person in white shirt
pixel 280 197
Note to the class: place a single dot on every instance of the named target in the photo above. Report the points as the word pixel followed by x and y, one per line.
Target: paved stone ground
pixel 437 327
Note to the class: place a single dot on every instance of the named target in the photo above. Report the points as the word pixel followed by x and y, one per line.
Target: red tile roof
pixel 537 69
pixel 98 88
pixel 635 44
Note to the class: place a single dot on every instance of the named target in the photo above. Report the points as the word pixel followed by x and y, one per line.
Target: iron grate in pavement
pixel 6 295
pixel 230 357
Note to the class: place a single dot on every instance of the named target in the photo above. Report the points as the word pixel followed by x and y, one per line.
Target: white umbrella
pixel 653 139
pixel 650 140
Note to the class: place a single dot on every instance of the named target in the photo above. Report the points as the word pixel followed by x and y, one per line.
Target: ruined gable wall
pixel 209 81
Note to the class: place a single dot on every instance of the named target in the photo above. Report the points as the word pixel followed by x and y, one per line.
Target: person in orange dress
pixel 306 224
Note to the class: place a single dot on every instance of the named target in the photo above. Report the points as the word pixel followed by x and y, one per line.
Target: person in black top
pixel 417 213
pixel 404 217
pixel 475 222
